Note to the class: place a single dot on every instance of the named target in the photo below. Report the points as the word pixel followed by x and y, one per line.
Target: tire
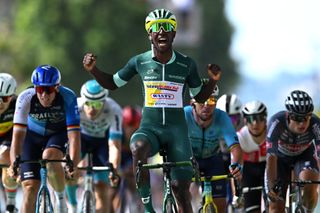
pixel 170 206
pixel 210 208
pixel 44 202
pixel 88 203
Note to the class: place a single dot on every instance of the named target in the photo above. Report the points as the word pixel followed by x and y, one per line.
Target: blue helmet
pixel 46 75
pixel 93 91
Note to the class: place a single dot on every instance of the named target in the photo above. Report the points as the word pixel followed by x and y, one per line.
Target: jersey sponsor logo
pixel 150 77
pixel 150 71
pixel 162 96
pixel 177 77
pixel 163 87
pixel 53 116
pixel 145 200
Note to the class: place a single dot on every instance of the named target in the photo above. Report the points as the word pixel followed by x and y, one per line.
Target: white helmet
pixel 8 84
pixel 254 108
pixel 231 104
pixel 93 91
pixel 215 92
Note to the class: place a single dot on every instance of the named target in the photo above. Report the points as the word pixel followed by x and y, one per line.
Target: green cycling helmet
pixel 158 16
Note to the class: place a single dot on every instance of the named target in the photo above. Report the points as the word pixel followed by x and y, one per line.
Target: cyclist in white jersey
pixel 101 134
pixel 252 138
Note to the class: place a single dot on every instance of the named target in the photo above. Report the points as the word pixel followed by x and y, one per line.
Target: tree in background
pixel 59 32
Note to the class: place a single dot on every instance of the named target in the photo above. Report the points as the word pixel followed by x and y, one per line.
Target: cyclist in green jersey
pixel 164 73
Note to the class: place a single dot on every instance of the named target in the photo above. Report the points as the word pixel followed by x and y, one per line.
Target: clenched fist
pixel 214 72
pixel 89 61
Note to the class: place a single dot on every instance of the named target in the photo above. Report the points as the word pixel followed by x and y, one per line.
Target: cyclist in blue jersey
pixel 164 74
pixel 8 99
pixel 207 125
pixel 293 143
pixel 101 134
pixel 46 119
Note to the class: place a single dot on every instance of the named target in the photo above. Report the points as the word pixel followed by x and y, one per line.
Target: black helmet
pixel 299 102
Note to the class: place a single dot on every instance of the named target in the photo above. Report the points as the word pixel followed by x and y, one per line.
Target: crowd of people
pixel 48 120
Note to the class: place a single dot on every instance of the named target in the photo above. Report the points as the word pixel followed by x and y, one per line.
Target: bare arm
pixel 115 153
pixel 18 136
pixel 74 144
pixel 214 73
pixel 104 79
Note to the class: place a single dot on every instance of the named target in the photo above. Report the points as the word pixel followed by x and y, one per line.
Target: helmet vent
pixel 1 86
pixel 8 89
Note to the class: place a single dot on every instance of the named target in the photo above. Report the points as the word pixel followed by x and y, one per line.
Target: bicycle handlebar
pixel 165 165
pixel 42 162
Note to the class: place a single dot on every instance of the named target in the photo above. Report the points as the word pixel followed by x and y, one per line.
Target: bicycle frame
pixel 299 183
pixel 88 197
pixel 43 189
pixel 168 197
pixel 43 192
pixel 209 205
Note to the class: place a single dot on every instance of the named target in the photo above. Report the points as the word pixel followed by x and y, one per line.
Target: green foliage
pixel 60 32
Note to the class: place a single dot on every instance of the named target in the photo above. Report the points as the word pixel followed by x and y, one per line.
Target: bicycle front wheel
pixel 88 203
pixel 43 205
pixel 170 206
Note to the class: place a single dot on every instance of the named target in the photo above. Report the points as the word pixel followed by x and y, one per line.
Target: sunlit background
pixel 277 45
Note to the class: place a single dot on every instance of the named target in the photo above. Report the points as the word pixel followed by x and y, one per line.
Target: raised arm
pixel 104 79
pixel 214 73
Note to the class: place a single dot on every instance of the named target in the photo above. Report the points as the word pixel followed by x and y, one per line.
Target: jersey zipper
pixel 163 109
pixel 203 140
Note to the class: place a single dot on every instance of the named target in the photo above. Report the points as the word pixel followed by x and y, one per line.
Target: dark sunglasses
pixel 5 99
pixel 299 118
pixel 257 118
pixel 46 89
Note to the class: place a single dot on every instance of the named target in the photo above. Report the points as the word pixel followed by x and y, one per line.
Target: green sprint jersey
pixel 163 84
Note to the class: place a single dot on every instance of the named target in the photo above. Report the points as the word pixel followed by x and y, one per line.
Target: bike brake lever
pixel 16 165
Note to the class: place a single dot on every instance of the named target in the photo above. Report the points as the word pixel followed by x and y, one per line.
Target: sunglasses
pixel 166 26
pixel 46 89
pixel 5 99
pixel 94 104
pixel 211 101
pixel 299 118
pixel 257 118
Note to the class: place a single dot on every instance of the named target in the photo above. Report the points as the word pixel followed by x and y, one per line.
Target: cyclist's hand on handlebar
pixel 238 202
pixel 89 61
pixel 274 193
pixel 214 72
pixel 13 173
pixel 236 170
pixel 114 179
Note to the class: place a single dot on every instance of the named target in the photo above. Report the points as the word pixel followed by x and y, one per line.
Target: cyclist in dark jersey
pixel 164 74
pixel 46 119
pixel 8 99
pixel 293 140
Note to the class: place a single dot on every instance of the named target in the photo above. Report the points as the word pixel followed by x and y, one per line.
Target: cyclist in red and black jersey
pixel 292 140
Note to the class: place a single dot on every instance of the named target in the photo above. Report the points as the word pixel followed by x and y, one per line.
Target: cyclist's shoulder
pixel 26 95
pixel 113 105
pixel 67 92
